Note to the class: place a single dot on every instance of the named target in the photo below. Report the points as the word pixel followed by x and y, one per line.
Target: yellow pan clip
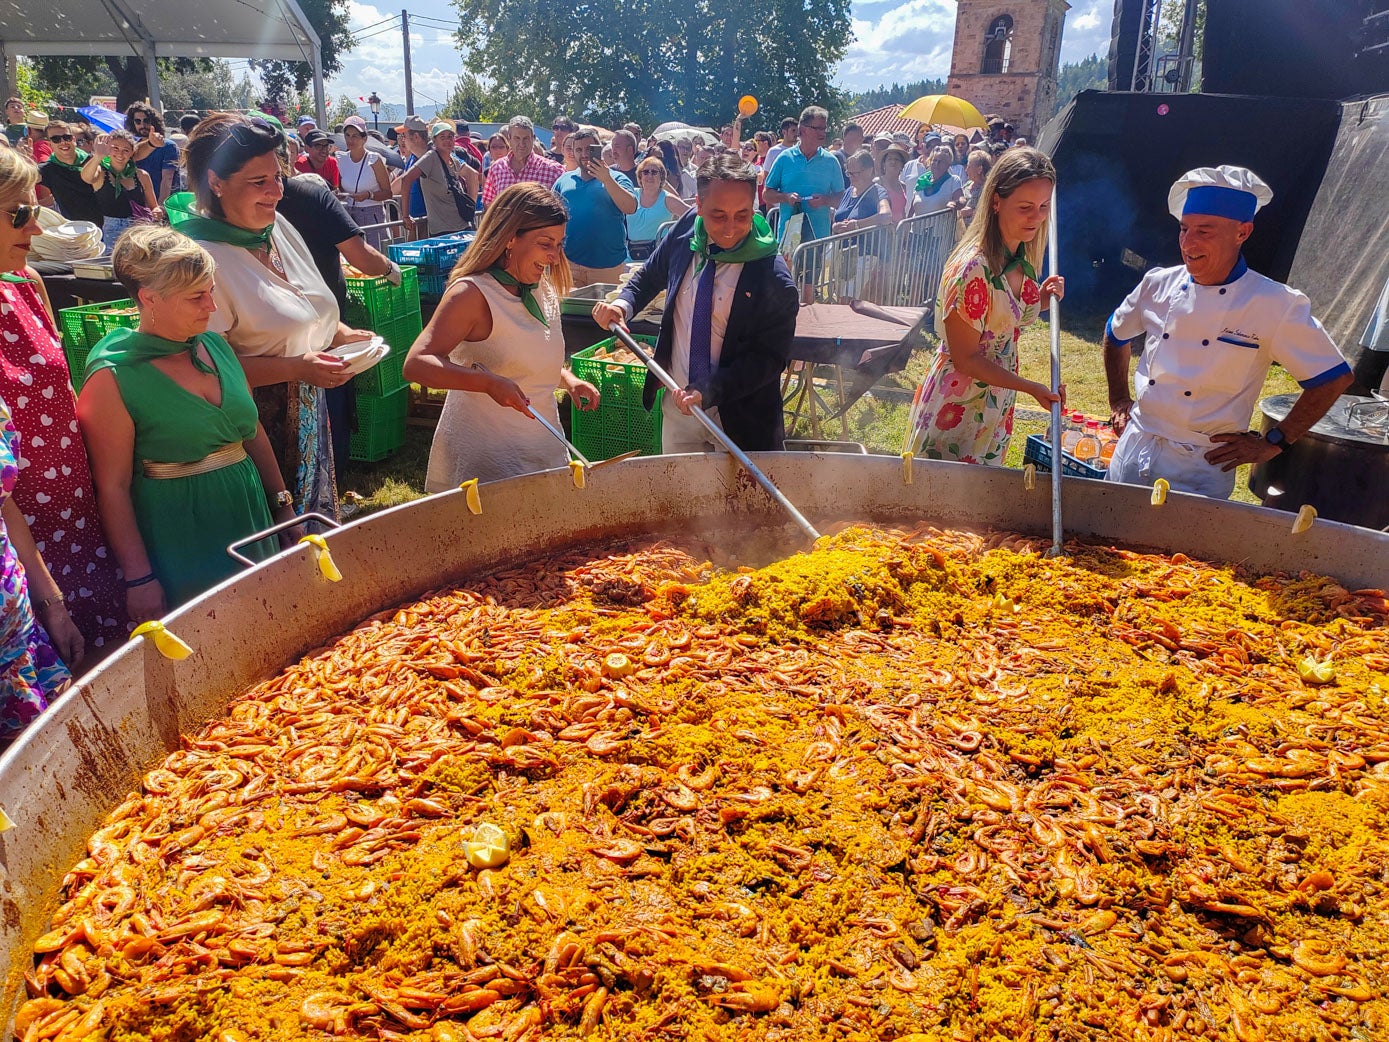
pixel 907 458
pixel 325 558
pixel 1029 476
pixel 6 822
pixel 1160 489
pixel 474 500
pixel 576 471
pixel 1305 517
pixel 165 642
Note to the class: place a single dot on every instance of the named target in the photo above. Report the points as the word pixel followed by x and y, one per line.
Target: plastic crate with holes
pixel 1037 451
pixel 434 258
pixel 372 301
pixel 83 326
pixel 388 374
pixel 621 422
pixel 380 425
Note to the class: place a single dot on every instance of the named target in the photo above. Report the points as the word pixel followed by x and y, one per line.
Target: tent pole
pixel 152 76
pixel 319 103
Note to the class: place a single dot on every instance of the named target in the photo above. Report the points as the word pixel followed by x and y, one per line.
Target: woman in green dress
pixel 181 465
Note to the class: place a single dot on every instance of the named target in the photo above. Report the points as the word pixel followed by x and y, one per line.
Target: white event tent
pixel 150 29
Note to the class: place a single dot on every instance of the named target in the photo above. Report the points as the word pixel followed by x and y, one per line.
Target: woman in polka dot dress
pixel 55 488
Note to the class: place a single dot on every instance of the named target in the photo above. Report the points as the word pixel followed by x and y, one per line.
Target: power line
pixel 373 25
pixel 379 32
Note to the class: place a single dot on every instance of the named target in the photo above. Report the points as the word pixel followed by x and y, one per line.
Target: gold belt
pixel 215 460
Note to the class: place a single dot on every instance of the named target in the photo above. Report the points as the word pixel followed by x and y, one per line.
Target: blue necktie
pixel 702 323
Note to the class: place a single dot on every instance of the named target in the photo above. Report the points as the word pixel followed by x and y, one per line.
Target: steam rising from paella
pixel 919 785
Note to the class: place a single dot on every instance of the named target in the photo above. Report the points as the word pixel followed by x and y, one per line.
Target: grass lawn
pixel 878 424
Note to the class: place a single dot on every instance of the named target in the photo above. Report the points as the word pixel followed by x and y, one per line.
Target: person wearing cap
pixel 363 182
pixel 413 135
pixel 449 185
pixel 522 164
pixel 1211 328
pixel 319 157
pixel 306 123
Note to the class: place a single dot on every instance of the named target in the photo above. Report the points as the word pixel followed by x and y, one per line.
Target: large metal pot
pixel 90 749
pixel 1339 466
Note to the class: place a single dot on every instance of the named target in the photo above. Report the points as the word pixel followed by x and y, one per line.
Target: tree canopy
pixel 284 80
pixel 651 62
pixel 897 94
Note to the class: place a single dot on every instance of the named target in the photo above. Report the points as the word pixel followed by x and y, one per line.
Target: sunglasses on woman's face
pixel 649 173
pixel 23 214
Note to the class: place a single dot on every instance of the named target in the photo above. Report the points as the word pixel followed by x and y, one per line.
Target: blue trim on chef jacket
pixel 1241 266
pixel 1109 332
pixel 1335 371
pixel 1219 201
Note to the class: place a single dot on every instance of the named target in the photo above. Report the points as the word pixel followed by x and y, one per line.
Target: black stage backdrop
pixel 1117 155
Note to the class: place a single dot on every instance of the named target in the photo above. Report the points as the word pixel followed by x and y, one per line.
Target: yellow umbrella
pixel 943 108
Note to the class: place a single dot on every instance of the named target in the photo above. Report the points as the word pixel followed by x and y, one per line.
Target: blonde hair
pixel 18 175
pixel 522 208
pixel 1014 168
pixel 161 260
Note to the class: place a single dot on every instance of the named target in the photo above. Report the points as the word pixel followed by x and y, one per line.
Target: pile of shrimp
pixel 918 785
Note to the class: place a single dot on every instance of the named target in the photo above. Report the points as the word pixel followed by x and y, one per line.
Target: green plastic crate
pixel 621 422
pixel 380 425
pixel 373 302
pixel 83 326
pixel 389 374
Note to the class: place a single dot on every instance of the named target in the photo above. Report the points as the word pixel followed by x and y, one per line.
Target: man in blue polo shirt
pixel 807 179
pixel 599 199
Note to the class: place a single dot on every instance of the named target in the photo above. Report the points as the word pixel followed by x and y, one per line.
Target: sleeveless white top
pixel 476 437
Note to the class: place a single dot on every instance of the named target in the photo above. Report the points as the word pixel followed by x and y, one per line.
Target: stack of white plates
pixel 63 240
pixel 361 355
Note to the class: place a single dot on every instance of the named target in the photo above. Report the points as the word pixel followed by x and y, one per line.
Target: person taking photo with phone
pixel 599 199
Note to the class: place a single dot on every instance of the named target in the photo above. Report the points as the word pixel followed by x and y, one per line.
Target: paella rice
pixel 926 786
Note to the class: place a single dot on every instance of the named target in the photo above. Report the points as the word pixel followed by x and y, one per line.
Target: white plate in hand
pixel 347 352
pixel 361 361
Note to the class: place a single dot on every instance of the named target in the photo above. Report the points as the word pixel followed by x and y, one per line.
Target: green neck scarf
pixel 1019 260
pixel 184 217
pixel 527 291
pixel 131 347
pixel 129 171
pixel 760 242
pixel 9 276
pixel 926 183
pixel 82 158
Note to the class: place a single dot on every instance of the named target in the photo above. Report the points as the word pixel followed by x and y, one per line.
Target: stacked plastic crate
pixel 621 422
pixel 434 258
pixel 383 396
pixel 83 326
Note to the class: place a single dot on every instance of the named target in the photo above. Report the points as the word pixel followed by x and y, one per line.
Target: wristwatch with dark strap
pixel 1276 437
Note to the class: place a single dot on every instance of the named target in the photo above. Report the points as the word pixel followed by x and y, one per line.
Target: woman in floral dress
pixel 989 294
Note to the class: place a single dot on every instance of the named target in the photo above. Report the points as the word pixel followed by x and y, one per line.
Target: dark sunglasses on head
pixel 246 135
pixel 60 137
pixel 23 214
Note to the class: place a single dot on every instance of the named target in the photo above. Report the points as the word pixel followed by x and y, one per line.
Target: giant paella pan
pixel 624 762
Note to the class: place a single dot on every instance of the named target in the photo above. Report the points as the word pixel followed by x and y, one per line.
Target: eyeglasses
pixel 60 137
pixel 23 214
pixel 820 127
pixel 138 121
pixel 650 173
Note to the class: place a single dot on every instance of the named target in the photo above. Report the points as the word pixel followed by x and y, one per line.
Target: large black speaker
pixel 1123 42
pixel 1290 49
pixel 1117 155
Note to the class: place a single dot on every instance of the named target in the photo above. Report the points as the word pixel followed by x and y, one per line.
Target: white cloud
pixel 377 63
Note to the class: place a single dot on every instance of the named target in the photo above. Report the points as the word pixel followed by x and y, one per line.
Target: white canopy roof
pixel 149 29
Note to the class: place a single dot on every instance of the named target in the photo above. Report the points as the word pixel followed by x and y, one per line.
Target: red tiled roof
pixel 885 121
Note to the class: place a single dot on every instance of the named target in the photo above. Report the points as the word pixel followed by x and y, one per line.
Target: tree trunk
pixel 130 81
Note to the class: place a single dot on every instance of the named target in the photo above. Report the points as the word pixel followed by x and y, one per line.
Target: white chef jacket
pixel 1208 349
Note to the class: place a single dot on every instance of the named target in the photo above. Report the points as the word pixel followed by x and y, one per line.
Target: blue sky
pixel 895 41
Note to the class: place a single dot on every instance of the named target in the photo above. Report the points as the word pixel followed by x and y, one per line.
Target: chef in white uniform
pixel 1211 329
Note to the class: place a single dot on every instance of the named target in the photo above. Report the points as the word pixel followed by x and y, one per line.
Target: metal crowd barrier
pixel 894 266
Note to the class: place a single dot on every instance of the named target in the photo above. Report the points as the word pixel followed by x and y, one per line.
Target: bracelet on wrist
pixel 57 598
pixel 144 580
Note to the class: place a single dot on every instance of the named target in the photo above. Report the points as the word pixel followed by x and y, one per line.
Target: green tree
pixel 651 62
pixel 894 95
pixel 210 88
pixel 342 108
pixel 469 101
pixel 285 80
pixel 1090 73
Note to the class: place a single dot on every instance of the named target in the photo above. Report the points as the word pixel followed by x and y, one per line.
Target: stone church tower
pixel 1006 56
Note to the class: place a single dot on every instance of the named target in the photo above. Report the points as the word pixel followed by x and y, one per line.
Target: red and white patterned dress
pixel 55 483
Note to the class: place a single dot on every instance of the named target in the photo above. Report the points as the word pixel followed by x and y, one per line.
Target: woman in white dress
pixel 496 345
pixel 273 306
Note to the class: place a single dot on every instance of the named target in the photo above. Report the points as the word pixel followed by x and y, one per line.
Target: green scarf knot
pixel 760 242
pixel 82 158
pixel 926 183
pixel 527 291
pixel 1019 259
pixel 184 217
pixel 132 346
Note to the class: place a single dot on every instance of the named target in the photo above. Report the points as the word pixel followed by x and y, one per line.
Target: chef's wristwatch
pixel 1276 437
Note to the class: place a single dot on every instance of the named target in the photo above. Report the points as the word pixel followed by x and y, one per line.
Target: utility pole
pixel 409 83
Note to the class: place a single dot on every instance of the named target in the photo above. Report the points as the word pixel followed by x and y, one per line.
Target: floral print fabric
pixel 30 670
pixel 960 418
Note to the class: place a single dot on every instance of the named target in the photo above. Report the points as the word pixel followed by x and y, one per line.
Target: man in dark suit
pixel 729 319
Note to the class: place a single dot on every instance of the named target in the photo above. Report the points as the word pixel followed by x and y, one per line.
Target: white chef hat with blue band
pixel 1222 191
